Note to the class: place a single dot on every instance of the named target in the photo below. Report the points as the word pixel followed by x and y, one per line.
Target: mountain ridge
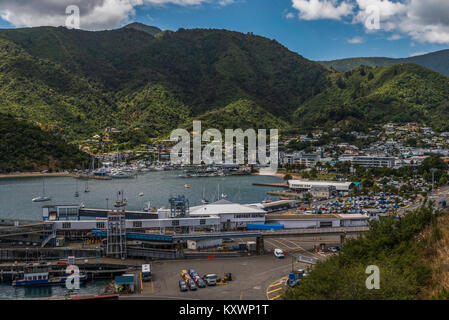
pixel 437 61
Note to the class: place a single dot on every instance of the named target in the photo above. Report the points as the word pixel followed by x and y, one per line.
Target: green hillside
pixel 242 114
pixel 200 69
pixel 78 83
pixel 436 61
pixel 410 253
pixel 378 95
pixel 25 147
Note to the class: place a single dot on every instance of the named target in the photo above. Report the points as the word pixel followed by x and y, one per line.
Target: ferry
pixel 38 275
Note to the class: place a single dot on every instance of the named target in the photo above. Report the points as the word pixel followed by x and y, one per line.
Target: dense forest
pixel 81 82
pixel 146 82
pixel 25 147
pixel 437 61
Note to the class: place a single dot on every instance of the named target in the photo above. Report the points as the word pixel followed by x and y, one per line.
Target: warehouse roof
pixel 336 184
pixel 223 207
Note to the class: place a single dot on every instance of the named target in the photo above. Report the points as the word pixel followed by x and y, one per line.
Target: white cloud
pixel 421 20
pixel 394 37
pixel 95 14
pixel 290 15
pixel 322 9
pixel 225 2
pixel 356 40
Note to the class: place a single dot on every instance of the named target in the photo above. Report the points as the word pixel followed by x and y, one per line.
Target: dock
pixel 276 185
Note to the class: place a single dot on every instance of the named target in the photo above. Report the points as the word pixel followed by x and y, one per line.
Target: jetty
pixel 276 185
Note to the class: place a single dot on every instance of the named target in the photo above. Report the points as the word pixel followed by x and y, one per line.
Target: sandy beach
pixel 35 174
pixel 279 174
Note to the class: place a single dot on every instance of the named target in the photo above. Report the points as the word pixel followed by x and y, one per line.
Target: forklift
pixel 226 279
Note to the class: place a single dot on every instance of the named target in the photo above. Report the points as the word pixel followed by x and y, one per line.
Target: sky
pixel 316 29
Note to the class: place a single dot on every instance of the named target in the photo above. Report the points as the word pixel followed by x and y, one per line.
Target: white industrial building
pixel 366 161
pixel 308 186
pixel 232 215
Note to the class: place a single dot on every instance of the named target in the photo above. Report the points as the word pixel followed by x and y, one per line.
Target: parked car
pixel 210 279
pixel 200 282
pixel 191 284
pixel 182 286
pixel 278 253
pixel 332 249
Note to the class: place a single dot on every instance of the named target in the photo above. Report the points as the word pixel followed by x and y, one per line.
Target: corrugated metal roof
pixel 223 207
pixel 300 216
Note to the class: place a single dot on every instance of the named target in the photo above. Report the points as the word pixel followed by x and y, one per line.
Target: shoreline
pixel 277 174
pixel 35 175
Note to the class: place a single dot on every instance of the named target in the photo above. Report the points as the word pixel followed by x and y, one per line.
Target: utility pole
pixel 433 176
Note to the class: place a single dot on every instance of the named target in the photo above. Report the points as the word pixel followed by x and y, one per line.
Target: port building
pixel 317 186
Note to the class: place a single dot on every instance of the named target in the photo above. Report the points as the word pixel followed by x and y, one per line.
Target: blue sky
pixel 311 34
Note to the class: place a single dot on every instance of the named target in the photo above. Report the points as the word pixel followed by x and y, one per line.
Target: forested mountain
pixel 436 61
pixel 366 95
pixel 84 81
pixel 142 80
pixel 25 147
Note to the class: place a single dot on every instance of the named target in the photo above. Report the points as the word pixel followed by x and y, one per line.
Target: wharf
pixel 277 185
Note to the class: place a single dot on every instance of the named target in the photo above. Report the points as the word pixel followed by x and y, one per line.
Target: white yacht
pixel 42 198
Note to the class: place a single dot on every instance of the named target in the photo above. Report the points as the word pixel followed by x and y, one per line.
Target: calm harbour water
pixel 9 292
pixel 158 187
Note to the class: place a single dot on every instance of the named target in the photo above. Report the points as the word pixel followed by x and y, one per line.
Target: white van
pixel 278 253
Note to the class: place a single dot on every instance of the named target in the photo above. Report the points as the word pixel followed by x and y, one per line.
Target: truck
pixel 295 277
pixel 146 272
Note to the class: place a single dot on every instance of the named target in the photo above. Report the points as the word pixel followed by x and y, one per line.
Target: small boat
pixel 120 202
pixel 44 197
pixel 38 274
pixel 187 186
pixel 204 201
pixel 224 195
pixel 141 194
pixel 41 199
pixel 120 175
pixel 147 207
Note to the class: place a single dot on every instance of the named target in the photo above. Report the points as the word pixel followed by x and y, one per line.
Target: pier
pixel 95 269
pixel 276 185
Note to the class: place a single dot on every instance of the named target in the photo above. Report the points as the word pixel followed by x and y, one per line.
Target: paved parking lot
pixel 251 277
pixel 301 245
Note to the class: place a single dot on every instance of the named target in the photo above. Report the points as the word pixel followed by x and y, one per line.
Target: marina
pixel 157 186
